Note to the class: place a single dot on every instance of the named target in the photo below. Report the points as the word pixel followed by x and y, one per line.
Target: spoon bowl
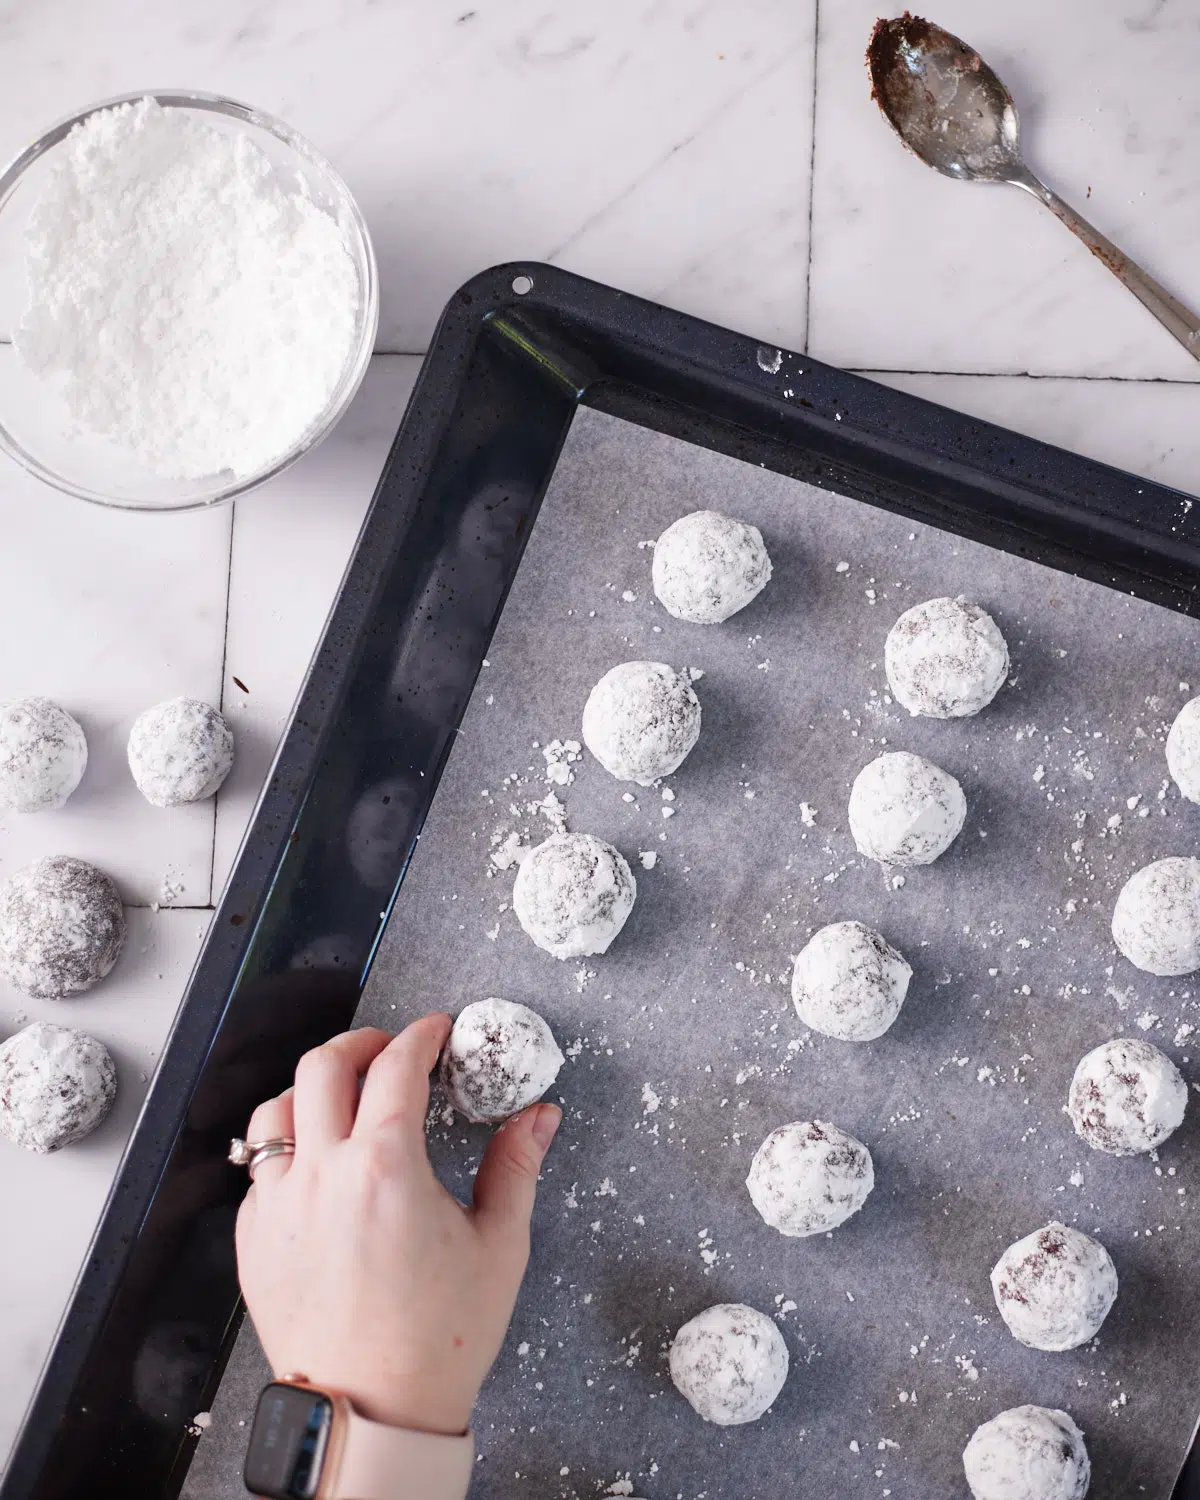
pixel 953 112
pixel 943 101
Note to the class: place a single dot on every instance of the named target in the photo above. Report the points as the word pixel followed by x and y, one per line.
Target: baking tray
pixel 155 1311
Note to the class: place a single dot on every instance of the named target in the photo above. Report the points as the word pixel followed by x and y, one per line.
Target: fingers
pixel 270 1121
pixel 326 1092
pixel 395 1096
pixel 506 1183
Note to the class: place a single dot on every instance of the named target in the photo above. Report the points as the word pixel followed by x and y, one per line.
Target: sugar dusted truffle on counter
pixel 62 927
pixel 43 755
pixel 180 751
pixel 945 659
pixel 573 894
pixel 1156 921
pixel 708 566
pixel 1126 1097
pixel 849 982
pixel 56 1086
pixel 1054 1288
pixel 1028 1453
pixel 500 1057
pixel 904 810
pixel 730 1362
pixel 641 721
pixel 809 1177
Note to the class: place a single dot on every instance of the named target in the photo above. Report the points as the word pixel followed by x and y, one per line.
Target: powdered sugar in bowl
pixel 192 298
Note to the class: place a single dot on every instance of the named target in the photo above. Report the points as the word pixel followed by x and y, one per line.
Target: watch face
pixel 288 1442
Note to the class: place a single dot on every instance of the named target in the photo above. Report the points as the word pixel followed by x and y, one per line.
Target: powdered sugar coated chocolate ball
pixel 1126 1097
pixel 1054 1288
pixel 730 1362
pixel 500 1058
pixel 43 755
pixel 1028 1453
pixel 849 983
pixel 56 1085
pixel 180 751
pixel 809 1177
pixel 904 810
pixel 1183 750
pixel 708 566
pixel 945 659
pixel 1156 921
pixel 61 927
pixel 641 721
pixel 573 894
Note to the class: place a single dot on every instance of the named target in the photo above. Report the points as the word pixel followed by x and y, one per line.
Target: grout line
pixel 812 175
pixel 1023 375
pixel 212 856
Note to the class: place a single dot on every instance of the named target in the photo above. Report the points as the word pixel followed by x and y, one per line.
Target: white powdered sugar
pixel 180 751
pixel 849 982
pixel 1055 1287
pixel 904 810
pixel 1156 921
pixel 43 755
pixel 945 659
pixel 500 1058
pixel 1126 1097
pixel 193 305
pixel 62 927
pixel 1028 1453
pixel 1183 750
pixel 809 1177
pixel 572 894
pixel 708 566
pixel 56 1086
pixel 730 1362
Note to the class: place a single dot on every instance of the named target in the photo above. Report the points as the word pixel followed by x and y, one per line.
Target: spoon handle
pixel 1169 311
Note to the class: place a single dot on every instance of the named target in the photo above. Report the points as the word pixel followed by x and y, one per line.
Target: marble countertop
pixel 721 157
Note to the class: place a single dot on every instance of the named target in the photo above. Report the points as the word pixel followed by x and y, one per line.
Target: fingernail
pixel 546 1123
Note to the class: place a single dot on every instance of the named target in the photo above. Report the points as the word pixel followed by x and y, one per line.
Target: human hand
pixel 360 1271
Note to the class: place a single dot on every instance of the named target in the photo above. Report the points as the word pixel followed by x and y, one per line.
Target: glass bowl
pixel 36 427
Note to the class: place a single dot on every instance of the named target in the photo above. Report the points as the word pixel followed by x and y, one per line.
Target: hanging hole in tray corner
pixel 522 285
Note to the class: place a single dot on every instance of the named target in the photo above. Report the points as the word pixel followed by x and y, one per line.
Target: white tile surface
pixel 483 130
pixel 57 1199
pixel 284 578
pixel 914 271
pixel 108 613
pixel 1146 428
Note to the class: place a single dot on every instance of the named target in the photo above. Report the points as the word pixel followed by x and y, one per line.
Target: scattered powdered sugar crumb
pixel 648 857
pixel 966 1366
pixel 509 852
pixel 650 1100
pixel 560 756
pixel 808 814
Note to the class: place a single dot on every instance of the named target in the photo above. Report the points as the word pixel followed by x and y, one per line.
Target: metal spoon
pixel 951 110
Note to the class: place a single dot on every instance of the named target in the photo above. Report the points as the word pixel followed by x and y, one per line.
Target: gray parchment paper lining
pixel 684 1049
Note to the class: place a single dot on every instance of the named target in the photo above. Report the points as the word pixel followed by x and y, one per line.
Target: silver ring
pixel 252 1154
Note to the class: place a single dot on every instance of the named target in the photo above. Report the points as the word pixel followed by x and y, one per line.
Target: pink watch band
pixel 394 1463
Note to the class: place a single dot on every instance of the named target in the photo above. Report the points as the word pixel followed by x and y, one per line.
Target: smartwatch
pixel 310 1444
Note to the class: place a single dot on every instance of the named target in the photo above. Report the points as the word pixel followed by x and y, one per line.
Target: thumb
pixel 506 1183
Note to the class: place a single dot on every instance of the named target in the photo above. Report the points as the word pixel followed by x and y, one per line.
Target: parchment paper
pixel 685 1050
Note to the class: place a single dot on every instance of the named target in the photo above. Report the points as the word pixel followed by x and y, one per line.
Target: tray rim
pixel 586 344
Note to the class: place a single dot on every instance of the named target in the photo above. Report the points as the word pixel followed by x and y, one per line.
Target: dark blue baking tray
pixel 156 1307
